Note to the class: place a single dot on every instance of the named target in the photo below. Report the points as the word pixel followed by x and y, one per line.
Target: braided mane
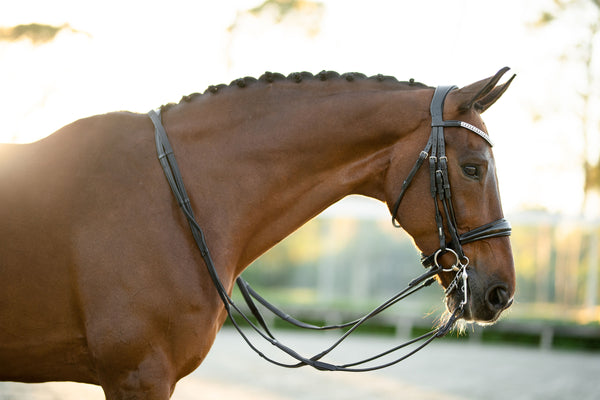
pixel 298 77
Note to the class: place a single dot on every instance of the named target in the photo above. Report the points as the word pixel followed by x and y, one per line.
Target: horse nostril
pixel 497 297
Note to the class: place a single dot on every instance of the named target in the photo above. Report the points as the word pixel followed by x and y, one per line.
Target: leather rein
pixel 440 191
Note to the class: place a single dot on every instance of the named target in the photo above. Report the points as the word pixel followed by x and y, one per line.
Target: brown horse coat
pixel 101 280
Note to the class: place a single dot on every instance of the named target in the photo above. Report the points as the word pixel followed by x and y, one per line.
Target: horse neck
pixel 261 163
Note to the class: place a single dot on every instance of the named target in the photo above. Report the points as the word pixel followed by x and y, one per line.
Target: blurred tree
pixel 281 9
pixel 37 33
pixel 585 52
pixel 583 17
pixel 277 266
pixel 299 17
pixel 302 15
pixel 284 7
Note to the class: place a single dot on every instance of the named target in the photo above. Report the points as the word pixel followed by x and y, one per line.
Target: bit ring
pixel 454 266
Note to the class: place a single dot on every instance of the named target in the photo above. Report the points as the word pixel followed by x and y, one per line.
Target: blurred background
pixel 66 59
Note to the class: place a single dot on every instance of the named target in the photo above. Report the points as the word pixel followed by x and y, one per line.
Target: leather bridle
pixel 435 150
pixel 440 191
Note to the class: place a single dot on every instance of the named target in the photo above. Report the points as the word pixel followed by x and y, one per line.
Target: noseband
pixel 440 191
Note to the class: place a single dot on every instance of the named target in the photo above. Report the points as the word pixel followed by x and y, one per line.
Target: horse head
pixel 457 190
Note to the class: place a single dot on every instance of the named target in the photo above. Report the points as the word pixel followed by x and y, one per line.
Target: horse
pixel 102 282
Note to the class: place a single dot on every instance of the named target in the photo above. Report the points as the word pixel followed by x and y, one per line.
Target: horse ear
pixel 481 95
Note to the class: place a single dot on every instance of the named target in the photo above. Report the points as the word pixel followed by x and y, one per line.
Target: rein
pixel 440 190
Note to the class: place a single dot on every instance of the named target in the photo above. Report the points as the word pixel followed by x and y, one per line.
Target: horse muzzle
pixel 486 300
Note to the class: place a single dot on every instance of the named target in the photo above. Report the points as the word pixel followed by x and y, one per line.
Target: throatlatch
pixel 441 194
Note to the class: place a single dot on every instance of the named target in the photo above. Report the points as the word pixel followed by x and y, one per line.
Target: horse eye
pixel 471 171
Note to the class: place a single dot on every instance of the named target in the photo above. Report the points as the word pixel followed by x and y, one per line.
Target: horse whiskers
pixel 460 326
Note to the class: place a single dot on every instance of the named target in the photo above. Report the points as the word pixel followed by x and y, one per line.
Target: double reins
pixel 440 190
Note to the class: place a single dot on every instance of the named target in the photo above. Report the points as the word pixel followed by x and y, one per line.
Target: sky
pixel 137 55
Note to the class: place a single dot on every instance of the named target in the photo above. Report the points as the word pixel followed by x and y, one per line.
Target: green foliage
pixel 576 343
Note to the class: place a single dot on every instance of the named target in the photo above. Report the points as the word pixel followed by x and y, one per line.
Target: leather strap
pixel 494 229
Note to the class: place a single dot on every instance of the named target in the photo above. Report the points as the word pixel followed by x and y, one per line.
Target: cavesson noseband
pixel 440 190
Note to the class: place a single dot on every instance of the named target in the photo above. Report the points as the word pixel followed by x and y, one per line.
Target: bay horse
pixel 102 282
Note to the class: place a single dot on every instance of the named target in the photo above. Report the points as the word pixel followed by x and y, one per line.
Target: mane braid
pixel 297 77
